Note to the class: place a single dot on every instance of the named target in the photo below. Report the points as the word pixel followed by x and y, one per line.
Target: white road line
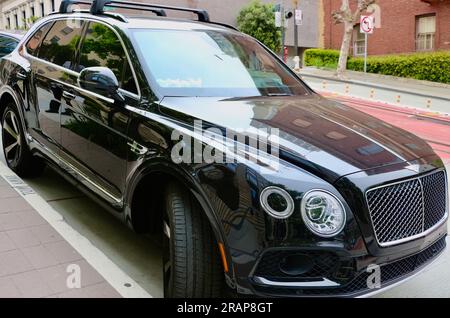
pixel 117 278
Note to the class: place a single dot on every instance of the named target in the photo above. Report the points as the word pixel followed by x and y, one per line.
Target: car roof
pixel 15 35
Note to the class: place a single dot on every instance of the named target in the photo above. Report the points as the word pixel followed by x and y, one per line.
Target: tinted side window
pixel 7 45
pixel 60 43
pixel 101 47
pixel 35 41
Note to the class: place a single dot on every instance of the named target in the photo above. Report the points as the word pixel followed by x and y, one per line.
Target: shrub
pixel 258 20
pixel 422 66
pixel 321 58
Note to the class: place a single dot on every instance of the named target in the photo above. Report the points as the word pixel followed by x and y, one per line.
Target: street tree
pixel 349 18
pixel 258 20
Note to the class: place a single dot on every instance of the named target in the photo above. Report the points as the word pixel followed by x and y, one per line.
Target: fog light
pixel 323 213
pixel 277 202
pixel 295 265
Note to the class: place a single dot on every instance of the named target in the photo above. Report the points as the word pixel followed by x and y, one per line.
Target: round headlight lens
pixel 323 213
pixel 277 202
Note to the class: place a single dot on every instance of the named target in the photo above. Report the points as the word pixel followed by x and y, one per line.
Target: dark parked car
pixel 102 97
pixel 8 42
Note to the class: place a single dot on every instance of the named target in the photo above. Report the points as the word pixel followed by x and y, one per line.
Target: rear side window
pixel 102 47
pixel 35 41
pixel 7 45
pixel 61 42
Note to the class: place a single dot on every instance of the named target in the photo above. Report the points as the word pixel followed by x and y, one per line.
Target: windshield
pixel 213 64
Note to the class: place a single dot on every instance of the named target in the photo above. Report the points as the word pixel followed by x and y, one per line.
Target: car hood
pixel 320 135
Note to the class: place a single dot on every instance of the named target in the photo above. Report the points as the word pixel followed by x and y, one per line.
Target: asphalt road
pixel 139 256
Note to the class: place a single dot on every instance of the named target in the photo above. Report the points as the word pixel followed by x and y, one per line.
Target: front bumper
pixel 390 273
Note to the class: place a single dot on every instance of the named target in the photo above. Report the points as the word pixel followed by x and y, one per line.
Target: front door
pixel 95 124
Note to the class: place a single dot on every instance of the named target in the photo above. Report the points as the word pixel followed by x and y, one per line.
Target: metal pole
pixel 365 52
pixel 295 2
pixel 283 30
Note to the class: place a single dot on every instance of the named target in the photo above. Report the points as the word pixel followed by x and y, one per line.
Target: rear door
pixel 53 77
pixel 94 127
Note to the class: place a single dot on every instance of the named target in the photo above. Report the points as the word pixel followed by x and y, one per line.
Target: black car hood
pixel 321 135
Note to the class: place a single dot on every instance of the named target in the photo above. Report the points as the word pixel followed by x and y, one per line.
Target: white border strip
pixel 96 258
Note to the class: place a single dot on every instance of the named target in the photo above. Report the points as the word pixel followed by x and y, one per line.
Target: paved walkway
pixel 36 261
pixel 423 95
pixel 406 84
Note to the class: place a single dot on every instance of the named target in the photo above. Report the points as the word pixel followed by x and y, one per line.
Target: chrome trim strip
pixel 320 283
pixel 106 99
pixel 425 233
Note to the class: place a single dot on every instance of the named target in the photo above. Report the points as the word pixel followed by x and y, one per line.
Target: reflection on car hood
pixel 321 135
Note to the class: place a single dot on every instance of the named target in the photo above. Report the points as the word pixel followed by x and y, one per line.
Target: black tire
pixel 15 148
pixel 191 261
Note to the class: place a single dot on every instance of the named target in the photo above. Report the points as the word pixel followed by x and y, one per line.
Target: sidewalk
pixel 405 84
pixel 34 258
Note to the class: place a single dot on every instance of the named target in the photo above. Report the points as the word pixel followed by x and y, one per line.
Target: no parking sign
pixel 367 24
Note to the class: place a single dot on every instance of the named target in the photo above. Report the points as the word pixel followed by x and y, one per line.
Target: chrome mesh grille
pixel 403 210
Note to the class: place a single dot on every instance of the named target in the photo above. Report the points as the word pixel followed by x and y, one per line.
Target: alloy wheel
pixel 12 141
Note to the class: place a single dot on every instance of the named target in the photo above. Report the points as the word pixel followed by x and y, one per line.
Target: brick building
pixel 406 26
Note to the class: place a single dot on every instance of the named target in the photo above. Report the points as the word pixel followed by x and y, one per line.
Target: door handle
pixel 68 95
pixel 21 75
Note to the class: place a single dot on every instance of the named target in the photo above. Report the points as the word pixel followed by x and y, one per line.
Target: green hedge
pixel 321 58
pixel 422 66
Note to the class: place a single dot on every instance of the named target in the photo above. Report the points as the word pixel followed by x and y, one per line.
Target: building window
pixel 16 19
pixel 9 23
pixel 33 13
pixel 53 5
pixel 42 9
pixel 426 32
pixel 359 41
pixel 24 16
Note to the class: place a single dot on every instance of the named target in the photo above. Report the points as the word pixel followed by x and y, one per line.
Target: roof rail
pixel 65 5
pixel 98 6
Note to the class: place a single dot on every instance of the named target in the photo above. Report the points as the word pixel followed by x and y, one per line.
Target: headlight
pixel 323 213
pixel 277 202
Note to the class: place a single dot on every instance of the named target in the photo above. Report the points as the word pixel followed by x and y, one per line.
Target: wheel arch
pixel 8 95
pixel 149 184
pixel 157 175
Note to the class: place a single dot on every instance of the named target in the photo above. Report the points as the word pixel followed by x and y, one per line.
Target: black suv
pixel 141 111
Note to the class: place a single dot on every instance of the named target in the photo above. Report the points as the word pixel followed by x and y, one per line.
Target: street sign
pixel 367 24
pixel 278 19
pixel 298 17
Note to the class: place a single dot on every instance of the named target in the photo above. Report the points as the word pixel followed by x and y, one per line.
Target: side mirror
pixel 102 81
